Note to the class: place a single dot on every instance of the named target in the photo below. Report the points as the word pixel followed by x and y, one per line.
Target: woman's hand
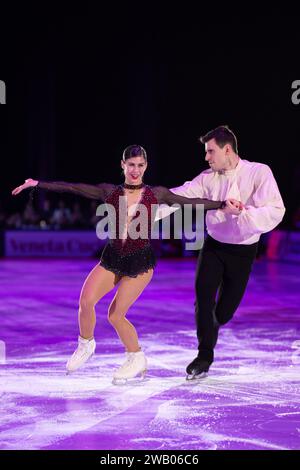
pixel 233 206
pixel 28 184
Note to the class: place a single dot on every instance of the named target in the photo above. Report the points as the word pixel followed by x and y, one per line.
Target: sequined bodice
pixel 124 242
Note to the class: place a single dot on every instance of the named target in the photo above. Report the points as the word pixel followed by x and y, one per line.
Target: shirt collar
pixel 233 171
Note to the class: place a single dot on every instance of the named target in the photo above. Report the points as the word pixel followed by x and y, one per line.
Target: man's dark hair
pixel 222 135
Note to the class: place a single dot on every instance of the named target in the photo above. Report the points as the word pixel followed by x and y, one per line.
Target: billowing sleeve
pixel 164 195
pixel 194 188
pixel 267 210
pixel 99 191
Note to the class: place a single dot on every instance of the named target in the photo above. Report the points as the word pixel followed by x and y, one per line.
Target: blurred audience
pixel 296 219
pixel 51 216
pixel 45 213
pixel 2 217
pixel 61 217
pixel 14 221
pixel 92 218
pixel 77 218
pixel 30 218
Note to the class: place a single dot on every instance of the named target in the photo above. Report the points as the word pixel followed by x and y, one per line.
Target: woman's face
pixel 134 169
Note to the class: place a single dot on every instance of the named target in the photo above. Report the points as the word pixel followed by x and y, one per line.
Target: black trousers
pixel 222 275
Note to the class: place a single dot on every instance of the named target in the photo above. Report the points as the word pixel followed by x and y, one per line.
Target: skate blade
pixel 132 381
pixel 194 377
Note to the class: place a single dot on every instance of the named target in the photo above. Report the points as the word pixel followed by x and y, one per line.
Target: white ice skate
pixel 135 365
pixel 84 351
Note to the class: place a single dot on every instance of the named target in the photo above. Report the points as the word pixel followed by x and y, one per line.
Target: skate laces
pixel 130 359
pixel 82 348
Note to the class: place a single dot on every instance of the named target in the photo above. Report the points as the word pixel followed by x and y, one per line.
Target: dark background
pixel 84 81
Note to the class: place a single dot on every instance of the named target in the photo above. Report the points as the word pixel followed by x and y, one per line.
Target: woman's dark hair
pixel 134 151
pixel 222 135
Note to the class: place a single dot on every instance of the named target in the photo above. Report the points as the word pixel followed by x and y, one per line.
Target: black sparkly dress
pixel 129 256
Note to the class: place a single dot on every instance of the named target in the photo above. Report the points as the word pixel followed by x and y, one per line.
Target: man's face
pixel 216 156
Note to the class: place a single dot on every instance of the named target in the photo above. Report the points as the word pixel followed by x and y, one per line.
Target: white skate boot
pixel 135 364
pixel 85 349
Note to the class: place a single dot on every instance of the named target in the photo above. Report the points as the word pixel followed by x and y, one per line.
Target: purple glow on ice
pixel 250 399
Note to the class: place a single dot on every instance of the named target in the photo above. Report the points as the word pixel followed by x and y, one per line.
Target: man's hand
pixel 28 184
pixel 233 207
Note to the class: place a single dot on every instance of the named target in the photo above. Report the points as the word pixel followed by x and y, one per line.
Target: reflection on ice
pixel 250 399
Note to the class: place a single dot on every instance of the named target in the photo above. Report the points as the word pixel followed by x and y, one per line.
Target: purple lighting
pixel 250 400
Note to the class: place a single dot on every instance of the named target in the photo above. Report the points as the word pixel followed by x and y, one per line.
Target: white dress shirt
pixel 251 183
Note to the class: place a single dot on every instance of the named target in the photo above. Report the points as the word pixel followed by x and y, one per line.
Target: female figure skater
pixel 125 261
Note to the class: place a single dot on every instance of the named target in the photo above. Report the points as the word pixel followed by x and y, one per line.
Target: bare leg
pixel 129 290
pixel 97 284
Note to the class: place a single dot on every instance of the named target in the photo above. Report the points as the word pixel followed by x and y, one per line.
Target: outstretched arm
pixel 164 195
pixel 90 191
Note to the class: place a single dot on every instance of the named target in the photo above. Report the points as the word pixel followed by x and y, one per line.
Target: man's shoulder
pixel 256 166
pixel 202 178
pixel 208 171
pixel 205 174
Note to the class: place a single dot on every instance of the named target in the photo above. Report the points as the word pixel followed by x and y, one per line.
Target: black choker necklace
pixel 133 186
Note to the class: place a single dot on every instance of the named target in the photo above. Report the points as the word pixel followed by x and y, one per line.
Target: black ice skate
pixel 197 369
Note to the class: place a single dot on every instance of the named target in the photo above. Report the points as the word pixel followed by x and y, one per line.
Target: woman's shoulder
pixel 158 189
pixel 160 193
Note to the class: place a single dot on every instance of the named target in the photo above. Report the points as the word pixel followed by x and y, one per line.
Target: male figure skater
pixel 228 253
